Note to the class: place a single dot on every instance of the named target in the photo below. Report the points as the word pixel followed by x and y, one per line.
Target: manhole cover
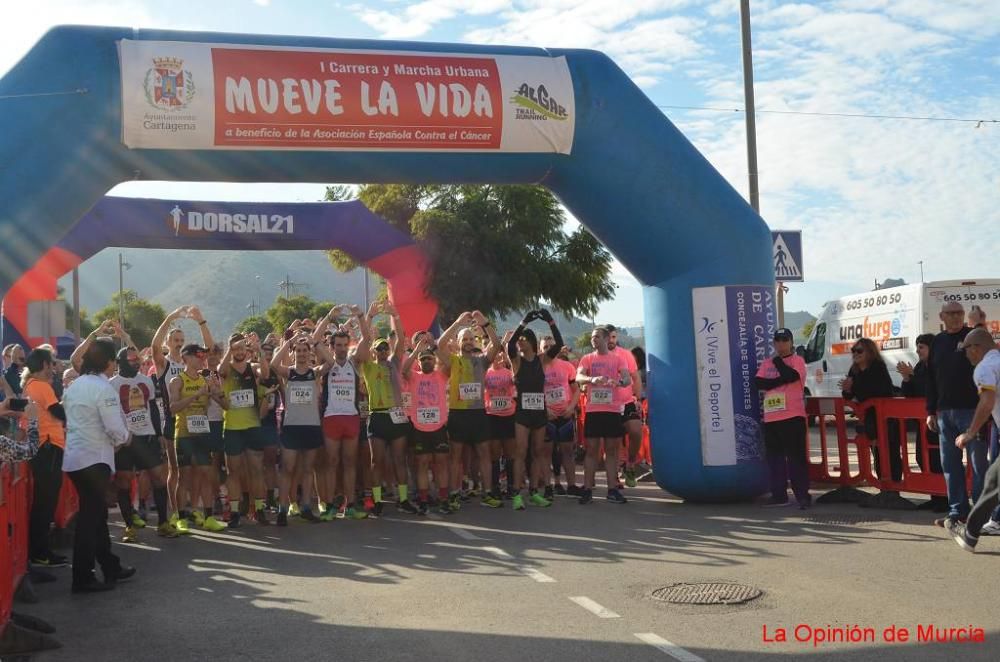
pixel 707 594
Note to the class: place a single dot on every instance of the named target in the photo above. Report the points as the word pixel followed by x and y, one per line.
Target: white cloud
pixel 27 22
pixel 418 19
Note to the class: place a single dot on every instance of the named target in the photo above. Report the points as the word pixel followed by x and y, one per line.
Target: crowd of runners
pixel 328 421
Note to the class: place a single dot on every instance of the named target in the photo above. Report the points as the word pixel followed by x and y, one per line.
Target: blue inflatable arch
pixel 75 125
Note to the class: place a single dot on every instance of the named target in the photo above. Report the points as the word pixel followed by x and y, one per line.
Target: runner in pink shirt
pixel 501 404
pixel 632 413
pixel 602 372
pixel 782 378
pixel 561 397
pixel 429 408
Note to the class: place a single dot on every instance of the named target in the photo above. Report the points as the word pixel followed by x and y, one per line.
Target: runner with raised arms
pixel 530 419
pixel 501 405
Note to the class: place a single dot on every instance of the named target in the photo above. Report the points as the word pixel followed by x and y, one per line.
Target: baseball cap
pixel 783 334
pixel 192 348
pixel 979 337
pixel 378 343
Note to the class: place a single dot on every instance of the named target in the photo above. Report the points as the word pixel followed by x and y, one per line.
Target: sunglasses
pixel 857 350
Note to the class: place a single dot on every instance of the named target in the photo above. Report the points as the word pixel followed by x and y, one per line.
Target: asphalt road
pixel 567 583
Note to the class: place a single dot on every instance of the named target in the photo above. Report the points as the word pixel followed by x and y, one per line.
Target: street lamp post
pixel 123 266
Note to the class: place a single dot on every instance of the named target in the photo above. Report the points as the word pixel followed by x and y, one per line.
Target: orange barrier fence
pixel 846 459
pixel 68 504
pixel 15 495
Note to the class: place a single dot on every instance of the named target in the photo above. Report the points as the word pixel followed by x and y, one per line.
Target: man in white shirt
pixel 982 353
pixel 95 427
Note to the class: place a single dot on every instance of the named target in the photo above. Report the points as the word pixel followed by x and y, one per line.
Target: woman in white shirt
pixel 95 427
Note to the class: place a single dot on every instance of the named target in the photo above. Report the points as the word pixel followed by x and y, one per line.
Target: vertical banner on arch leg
pixel 734 327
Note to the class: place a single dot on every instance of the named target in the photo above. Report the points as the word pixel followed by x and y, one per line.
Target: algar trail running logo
pixel 536 104
pixel 168 85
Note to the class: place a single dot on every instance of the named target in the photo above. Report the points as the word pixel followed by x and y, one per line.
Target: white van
pixel 893 318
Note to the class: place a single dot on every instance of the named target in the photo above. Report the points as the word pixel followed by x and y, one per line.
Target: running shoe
pixel 991 528
pixel 376 510
pixel 309 516
pixel 197 519
pixel 166 530
pixel 540 501
pixel 549 492
pixel 559 489
pixel 129 535
pixel 422 508
pixel 445 508
pixel 51 561
pixel 138 522
pixel 615 496
pixel 328 514
pixel 455 502
pixel 574 490
pixel 491 501
pixel 407 507
pixel 586 496
pixel 262 518
pixel 283 518
pixel 369 504
pixel 234 520
pixel 518 502
pixel 630 480
pixel 180 525
pixel 355 513
pixel 293 510
pixel 341 512
pixel 961 536
pixel 212 525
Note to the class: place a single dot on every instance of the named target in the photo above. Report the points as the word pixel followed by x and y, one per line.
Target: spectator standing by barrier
pixel 869 378
pixel 951 404
pixel 982 353
pixel 783 381
pixel 914 385
pixel 46 466
pixel 95 428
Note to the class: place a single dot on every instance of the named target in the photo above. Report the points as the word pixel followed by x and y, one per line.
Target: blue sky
pixel 872 196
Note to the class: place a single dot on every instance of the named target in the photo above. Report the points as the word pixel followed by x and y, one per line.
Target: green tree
pixel 284 311
pixel 582 342
pixel 807 330
pixel 258 324
pixel 514 251
pixel 141 317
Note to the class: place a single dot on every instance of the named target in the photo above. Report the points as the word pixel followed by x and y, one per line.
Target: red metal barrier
pixel 6 544
pixel 68 504
pixel 834 464
pixel 20 500
pixel 911 415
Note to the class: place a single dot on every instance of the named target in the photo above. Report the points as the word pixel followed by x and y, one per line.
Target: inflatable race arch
pixel 178 225
pixel 90 107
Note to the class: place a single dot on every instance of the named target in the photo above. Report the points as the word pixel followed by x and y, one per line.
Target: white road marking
pixel 593 607
pixel 670 648
pixel 496 551
pixel 538 576
pixel 462 533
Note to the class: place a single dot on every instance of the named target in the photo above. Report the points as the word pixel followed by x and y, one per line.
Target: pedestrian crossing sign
pixel 787 255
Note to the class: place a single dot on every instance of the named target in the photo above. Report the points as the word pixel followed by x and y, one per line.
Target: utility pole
pixel 366 289
pixel 123 266
pixel 751 126
pixel 76 305
pixel 921 263
pixel 288 285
